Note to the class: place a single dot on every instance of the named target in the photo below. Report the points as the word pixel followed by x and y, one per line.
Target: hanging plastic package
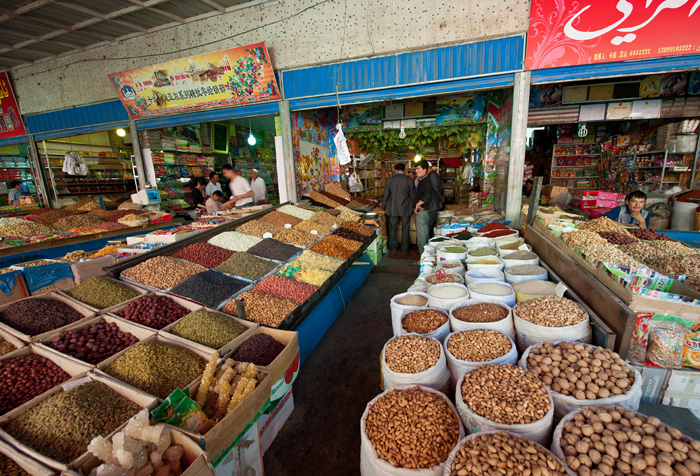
pixel 341 145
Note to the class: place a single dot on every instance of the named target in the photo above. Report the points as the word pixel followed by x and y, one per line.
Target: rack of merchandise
pixel 575 166
pixel 15 164
pixel 108 169
pixel 261 159
pixel 372 180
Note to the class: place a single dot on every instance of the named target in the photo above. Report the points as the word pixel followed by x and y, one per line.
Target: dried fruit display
pixel 258 228
pixel 155 312
pixel 274 250
pixel 102 293
pixel 209 288
pixel 204 254
pixel 246 266
pixel 38 315
pixel 285 288
pixel 208 328
pixel 550 311
pixel 162 272
pixel 93 343
pixel 281 219
pixel 261 349
pixel 23 378
pixel 261 308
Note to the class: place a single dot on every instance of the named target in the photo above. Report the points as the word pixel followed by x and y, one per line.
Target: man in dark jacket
pixel 421 205
pixel 436 204
pixel 398 204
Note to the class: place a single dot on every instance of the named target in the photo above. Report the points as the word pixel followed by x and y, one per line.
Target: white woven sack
pixel 508 299
pixel 370 462
pixel 418 286
pixel 505 325
pixel 471 265
pixel 446 303
pixel 516 278
pixel 530 334
pixel 460 443
pixel 397 310
pixel 564 404
pixel 459 367
pixel 494 252
pixel 437 376
pixel 456 269
pixel 507 263
pixel 491 273
pixel 502 252
pixel 440 333
pixel 539 431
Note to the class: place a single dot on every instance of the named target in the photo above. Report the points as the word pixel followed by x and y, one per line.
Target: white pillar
pixel 138 157
pixel 286 174
pixel 518 138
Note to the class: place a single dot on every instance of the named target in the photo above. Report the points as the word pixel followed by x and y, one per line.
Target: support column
pixel 518 138
pixel 40 181
pixel 286 174
pixel 138 156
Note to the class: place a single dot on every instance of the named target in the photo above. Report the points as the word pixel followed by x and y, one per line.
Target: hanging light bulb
pixel 251 137
pixel 121 132
pixel 402 134
pixel 417 158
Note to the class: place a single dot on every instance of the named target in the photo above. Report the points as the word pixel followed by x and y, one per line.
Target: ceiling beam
pixel 172 16
pixel 213 4
pixel 9 14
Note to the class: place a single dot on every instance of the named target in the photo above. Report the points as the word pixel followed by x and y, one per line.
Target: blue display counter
pixel 690 238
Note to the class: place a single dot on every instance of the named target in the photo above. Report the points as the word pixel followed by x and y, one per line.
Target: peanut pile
pixel 609 254
pixel 412 428
pixel 411 354
pixel 611 440
pixel 505 394
pixel 674 248
pixel 550 311
pixel 479 345
pixel 581 371
pixel 642 251
pixel 583 237
pixel 503 453
pixel 603 224
pixel 423 321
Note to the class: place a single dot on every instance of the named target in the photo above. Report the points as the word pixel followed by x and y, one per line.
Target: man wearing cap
pixel 259 187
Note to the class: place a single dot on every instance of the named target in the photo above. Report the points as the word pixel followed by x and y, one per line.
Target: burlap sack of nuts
pixel 597 388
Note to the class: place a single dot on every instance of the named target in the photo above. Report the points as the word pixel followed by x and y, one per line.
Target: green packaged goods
pixel 208 328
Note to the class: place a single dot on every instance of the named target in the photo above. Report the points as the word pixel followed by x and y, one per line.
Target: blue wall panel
pixel 405 69
pixel 75 117
pixel 14 140
pixel 625 68
pixel 214 114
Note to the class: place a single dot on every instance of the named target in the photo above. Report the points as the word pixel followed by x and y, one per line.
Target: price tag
pixel 75 383
pixel 287 225
pixel 334 226
pixel 314 232
pixel 560 289
pixel 267 235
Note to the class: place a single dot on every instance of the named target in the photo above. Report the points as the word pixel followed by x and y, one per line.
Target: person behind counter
pixel 199 184
pixel 213 184
pixel 241 192
pixel 259 187
pixel 632 213
pixel 14 194
pixel 214 202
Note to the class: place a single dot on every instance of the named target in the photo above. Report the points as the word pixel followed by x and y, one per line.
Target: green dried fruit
pixel 62 426
pixel 157 368
pixel 208 328
pixel 102 293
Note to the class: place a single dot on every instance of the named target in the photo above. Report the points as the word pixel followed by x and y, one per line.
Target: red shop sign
pixel 574 32
pixel 10 121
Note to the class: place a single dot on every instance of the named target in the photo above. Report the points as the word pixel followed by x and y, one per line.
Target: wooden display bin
pixel 141 291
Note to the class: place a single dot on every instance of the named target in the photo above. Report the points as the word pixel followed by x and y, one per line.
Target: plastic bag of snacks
pixel 691 350
pixel 665 346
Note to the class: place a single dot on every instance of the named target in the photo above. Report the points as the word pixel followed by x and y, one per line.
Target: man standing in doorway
pixel 259 187
pixel 213 184
pixel 421 206
pixel 436 204
pixel 241 193
pixel 398 205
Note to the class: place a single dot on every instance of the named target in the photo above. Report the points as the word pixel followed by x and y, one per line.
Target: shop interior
pixel 16 165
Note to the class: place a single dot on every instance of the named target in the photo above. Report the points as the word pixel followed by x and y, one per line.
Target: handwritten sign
pixel 10 121
pixel 574 32
pixel 222 78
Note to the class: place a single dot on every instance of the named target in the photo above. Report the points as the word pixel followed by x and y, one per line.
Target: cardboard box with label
pixel 269 425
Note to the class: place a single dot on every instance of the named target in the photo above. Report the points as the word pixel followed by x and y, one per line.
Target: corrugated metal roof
pixel 623 68
pixel 103 113
pixel 419 67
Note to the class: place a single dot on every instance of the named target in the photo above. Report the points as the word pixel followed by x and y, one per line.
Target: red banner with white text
pixel 576 32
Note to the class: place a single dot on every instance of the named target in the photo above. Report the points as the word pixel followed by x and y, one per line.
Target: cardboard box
pixel 269 425
pixel 193 454
pixel 140 290
pixel 125 326
pixel 243 459
pixel 60 285
pixel 552 191
pixel 285 368
pixel 19 289
pixel 684 381
pixel 691 401
pixel 86 311
pixel 223 350
pixel 140 398
pixel 25 462
pixel 91 268
pixel 654 382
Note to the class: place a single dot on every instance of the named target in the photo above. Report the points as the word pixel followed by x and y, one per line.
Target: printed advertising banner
pixel 222 78
pixel 10 121
pixel 576 32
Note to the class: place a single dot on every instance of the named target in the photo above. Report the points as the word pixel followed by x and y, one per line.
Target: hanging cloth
pixel 341 146
pixel 74 164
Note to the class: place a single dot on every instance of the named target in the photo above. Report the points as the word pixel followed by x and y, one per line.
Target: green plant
pixel 447 137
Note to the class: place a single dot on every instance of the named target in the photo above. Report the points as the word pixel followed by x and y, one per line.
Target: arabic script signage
pixel 574 32
pixel 10 121
pixel 222 78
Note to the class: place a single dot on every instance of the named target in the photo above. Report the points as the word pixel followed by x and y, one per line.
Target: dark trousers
pixel 431 223
pixel 405 232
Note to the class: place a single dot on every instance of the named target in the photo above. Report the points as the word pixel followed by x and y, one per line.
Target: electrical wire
pixel 87 60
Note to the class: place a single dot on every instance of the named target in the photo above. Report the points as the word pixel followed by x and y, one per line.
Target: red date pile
pixel 616 238
pixel 23 378
pixel 36 316
pixel 274 250
pixel 155 312
pixel 350 235
pixel 285 288
pixel 93 343
pixel 204 254
pixel 650 234
pixel 261 349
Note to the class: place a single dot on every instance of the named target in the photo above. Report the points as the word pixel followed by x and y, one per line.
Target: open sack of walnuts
pixel 612 440
pixel 579 375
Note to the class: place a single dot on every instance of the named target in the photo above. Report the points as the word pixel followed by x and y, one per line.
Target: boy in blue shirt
pixel 632 214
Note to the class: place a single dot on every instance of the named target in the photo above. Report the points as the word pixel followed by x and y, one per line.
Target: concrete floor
pixel 322 435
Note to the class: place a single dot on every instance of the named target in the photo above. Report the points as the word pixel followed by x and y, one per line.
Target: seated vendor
pixel 632 214
pixel 214 202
